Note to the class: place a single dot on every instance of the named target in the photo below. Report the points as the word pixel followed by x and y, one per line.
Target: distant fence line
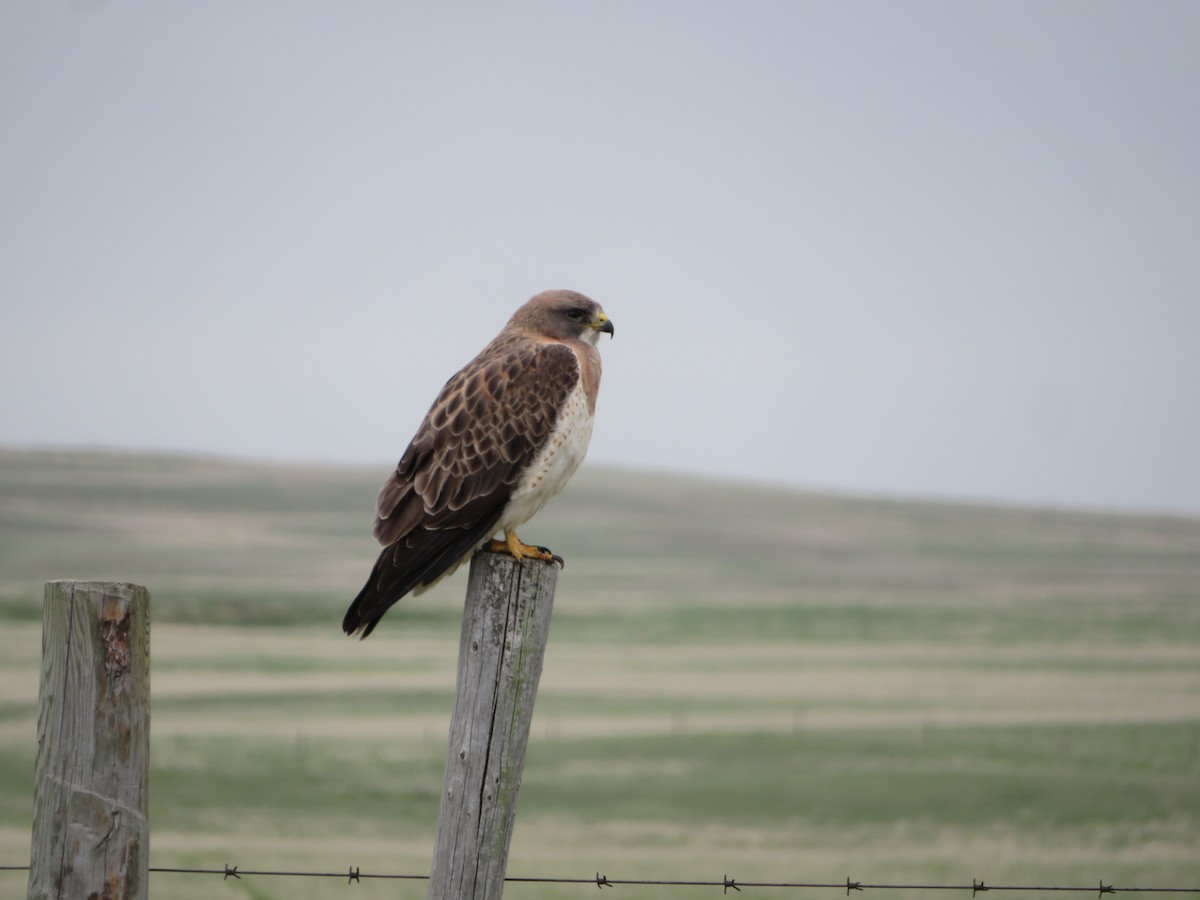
pixel 353 874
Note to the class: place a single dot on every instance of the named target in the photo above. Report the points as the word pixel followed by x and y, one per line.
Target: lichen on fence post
pixel 506 622
pixel 91 833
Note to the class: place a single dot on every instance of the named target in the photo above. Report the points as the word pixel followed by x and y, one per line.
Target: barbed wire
pixel 353 874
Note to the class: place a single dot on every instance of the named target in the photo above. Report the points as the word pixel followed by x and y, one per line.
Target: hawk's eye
pixel 575 313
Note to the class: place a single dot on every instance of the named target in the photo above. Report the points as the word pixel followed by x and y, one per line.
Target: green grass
pixel 959 777
pixel 1120 788
pixel 771 684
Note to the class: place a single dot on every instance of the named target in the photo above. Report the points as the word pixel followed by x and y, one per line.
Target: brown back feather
pixel 484 428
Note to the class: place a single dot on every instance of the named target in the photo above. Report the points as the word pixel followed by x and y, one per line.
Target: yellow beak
pixel 603 324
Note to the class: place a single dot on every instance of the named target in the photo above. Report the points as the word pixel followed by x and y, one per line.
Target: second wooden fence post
pixel 505 625
pixel 91 833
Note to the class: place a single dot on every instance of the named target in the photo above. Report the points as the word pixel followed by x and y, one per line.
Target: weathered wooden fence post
pixel 91 833
pixel 506 621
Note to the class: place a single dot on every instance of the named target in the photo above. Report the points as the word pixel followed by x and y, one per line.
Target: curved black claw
pixel 558 559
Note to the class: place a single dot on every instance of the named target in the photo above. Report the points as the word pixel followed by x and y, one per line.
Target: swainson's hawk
pixel 503 437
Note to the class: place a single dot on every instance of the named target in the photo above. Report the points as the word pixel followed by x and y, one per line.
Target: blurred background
pixel 927 248
pixel 885 563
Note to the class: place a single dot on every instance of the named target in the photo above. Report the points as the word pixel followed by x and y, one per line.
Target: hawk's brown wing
pixel 451 485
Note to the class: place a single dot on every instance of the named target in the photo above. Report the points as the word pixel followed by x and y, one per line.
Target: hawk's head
pixel 563 315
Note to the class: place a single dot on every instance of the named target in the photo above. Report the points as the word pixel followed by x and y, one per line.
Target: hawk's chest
pixel 555 463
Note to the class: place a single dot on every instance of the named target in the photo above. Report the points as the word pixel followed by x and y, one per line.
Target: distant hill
pixel 654 556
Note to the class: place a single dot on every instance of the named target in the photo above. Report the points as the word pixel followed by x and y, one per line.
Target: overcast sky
pixel 926 248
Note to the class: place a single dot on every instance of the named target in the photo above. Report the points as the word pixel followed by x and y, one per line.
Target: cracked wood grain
pixel 506 622
pixel 91 834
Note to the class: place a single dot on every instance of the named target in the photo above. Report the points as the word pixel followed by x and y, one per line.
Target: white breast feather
pixel 555 464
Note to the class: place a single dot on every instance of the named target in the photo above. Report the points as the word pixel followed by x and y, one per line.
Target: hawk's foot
pixel 514 546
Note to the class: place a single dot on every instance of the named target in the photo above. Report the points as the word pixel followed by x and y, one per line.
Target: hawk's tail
pixel 417 560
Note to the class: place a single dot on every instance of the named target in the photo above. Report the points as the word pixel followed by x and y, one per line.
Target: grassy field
pixel 765 684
